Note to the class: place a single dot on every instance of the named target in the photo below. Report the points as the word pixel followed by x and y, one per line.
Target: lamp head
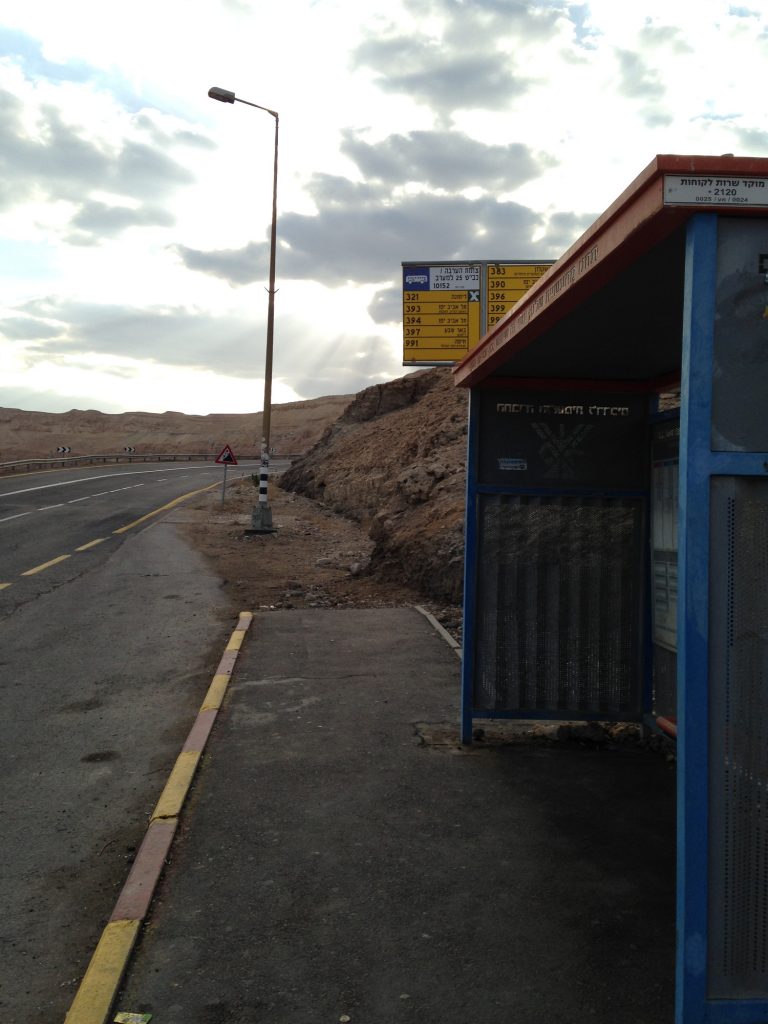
pixel 224 95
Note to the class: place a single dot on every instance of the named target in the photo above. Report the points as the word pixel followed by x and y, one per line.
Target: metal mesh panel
pixel 664 681
pixel 559 599
pixel 738 828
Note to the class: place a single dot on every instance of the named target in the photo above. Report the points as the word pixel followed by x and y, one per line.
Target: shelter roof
pixel 611 307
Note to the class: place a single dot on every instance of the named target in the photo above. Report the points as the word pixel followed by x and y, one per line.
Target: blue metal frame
pixel 698 464
pixel 470 571
pixel 544 715
pixel 468 713
pixel 561 492
pixel 693 619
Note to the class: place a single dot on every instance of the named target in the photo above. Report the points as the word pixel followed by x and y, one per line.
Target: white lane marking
pixel 101 494
pixel 106 476
pixel 18 515
pixel 87 497
pixel 72 501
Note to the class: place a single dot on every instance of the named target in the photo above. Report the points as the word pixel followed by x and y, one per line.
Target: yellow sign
pixel 506 283
pixel 440 326
pixel 448 307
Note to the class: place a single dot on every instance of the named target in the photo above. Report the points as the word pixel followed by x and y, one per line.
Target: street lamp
pixel 261 517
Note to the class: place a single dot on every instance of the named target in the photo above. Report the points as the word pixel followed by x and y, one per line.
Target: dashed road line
pixel 46 565
pixel 91 544
pixel 101 540
pixel 18 515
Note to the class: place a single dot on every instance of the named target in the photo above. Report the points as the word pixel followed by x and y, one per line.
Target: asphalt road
pixel 108 640
pixel 69 516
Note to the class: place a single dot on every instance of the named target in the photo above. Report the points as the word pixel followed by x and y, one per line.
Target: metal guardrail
pixel 30 465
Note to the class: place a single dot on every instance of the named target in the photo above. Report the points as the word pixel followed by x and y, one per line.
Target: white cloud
pixel 134 210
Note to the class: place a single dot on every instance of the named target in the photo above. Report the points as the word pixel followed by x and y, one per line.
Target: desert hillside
pixel 391 458
pixel 32 435
pixel 395 462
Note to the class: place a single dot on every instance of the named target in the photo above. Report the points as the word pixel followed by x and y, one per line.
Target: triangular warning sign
pixel 226 456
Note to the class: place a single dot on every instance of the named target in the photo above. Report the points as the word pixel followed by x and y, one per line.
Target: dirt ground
pixel 315 559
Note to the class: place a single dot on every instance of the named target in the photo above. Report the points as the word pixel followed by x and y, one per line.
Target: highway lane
pixel 60 523
pixel 105 656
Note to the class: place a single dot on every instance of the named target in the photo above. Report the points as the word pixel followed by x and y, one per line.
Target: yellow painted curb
pixel 176 788
pixel 164 508
pixel 216 691
pixel 98 988
pixel 236 640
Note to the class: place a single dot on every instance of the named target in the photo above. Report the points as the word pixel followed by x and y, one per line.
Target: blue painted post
pixel 470 571
pixel 692 621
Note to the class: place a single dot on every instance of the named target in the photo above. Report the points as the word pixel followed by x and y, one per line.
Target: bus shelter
pixel 617 529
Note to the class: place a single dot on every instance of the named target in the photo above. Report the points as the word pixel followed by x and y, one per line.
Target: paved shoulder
pixel 332 866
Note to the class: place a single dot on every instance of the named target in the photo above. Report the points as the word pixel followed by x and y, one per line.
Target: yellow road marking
pixel 164 508
pixel 46 565
pixel 4 586
pixel 99 986
pixel 91 544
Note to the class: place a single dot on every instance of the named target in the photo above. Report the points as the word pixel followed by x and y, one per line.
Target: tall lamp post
pixel 261 517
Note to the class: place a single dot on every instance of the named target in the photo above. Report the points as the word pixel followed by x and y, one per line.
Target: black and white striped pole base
pixel 261 516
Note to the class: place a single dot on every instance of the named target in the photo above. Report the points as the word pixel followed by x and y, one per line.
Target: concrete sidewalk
pixel 332 866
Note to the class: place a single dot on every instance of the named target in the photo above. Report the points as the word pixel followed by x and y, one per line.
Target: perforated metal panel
pixel 738 885
pixel 559 605
pixel 664 681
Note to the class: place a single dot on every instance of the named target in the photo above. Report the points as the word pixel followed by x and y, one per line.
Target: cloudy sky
pixel 134 210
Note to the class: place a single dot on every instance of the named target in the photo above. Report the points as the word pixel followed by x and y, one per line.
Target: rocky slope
pixel 394 461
